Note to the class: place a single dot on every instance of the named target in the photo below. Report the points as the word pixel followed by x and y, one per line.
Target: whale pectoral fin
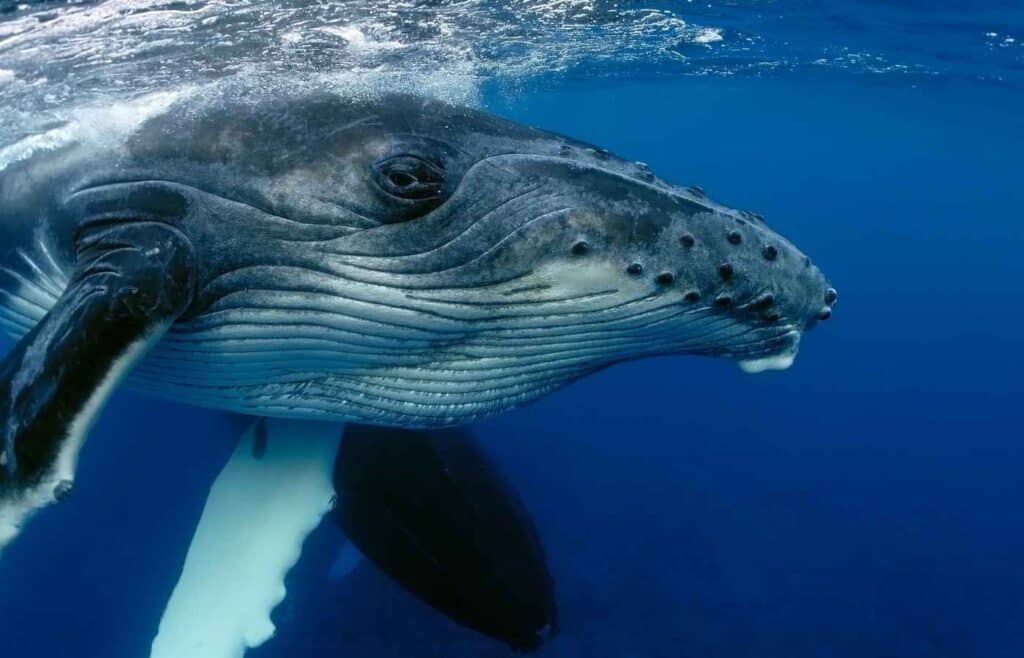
pixel 434 513
pixel 131 281
pixel 271 494
pixel 426 507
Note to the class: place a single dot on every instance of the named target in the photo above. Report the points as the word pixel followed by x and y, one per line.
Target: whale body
pixel 384 259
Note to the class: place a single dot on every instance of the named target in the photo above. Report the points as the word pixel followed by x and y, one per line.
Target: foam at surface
pixel 257 516
pixel 102 124
pixel 121 49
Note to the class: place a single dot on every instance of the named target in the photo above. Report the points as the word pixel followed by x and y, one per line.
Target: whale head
pixel 432 263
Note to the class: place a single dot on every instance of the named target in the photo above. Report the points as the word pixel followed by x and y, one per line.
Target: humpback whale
pixel 384 259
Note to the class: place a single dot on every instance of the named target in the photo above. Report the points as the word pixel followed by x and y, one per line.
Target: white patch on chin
pixel 778 362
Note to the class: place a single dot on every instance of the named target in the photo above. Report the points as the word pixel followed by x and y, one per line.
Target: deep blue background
pixel 865 503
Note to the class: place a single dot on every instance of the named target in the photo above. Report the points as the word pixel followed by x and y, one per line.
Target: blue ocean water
pixel 864 503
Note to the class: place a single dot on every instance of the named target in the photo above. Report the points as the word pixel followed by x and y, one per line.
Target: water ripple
pixel 60 55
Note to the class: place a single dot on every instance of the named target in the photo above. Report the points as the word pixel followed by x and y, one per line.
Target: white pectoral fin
pixel 273 492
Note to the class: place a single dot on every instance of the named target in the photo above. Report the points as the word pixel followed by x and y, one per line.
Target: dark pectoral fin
pixel 132 280
pixel 431 511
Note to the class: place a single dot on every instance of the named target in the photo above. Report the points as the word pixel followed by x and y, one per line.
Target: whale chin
pixel 762 364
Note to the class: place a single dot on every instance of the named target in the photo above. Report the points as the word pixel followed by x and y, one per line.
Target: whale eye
pixel 410 177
